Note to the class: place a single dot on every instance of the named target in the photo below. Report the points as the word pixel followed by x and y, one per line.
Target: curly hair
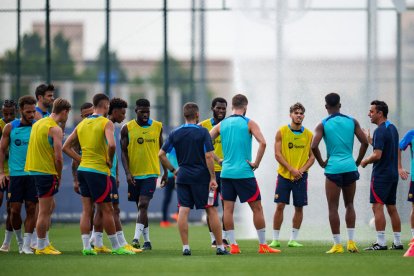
pixel 116 103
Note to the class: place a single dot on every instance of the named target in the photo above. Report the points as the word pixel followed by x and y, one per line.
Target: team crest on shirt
pixel 9 195
pixel 115 196
pixel 129 195
pixel 140 140
pixel 410 196
pixel 276 196
pixel 290 145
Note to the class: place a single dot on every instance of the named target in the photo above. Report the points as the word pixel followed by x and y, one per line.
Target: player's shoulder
pixel 156 123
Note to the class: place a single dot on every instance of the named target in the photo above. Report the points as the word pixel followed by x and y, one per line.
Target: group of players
pixel 208 159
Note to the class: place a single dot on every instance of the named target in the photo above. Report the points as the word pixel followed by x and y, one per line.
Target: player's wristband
pixel 172 170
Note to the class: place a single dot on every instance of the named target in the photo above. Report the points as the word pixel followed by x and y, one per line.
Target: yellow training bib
pixel 295 149
pixel 218 150
pixel 143 148
pixel 40 153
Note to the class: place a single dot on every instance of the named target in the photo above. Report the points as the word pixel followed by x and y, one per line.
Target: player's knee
pixel 280 207
pixel 143 205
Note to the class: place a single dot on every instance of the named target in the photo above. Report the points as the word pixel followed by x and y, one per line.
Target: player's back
pixel 338 134
pixel 40 153
pixel 91 135
pixel 386 139
pixel 19 141
pixel 189 142
pixel 236 141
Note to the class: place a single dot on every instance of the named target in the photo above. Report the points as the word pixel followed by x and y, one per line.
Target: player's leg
pixel 5 247
pixel 29 225
pixel 215 225
pixel 145 195
pixel 168 190
pixel 85 222
pixel 333 191
pixel 133 195
pixel 300 199
pixel 16 221
pixel 43 221
pixel 282 196
pixel 412 223
pixel 182 222
pixel 348 194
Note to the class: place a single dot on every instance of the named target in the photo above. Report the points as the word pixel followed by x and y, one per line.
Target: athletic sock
pixel 212 237
pixel 33 242
pixel 27 239
pixel 41 243
pixel 221 247
pixel 138 231
pixel 98 239
pixel 19 237
pixel 276 234
pixel 121 238
pixel 337 238
pixel 230 235
pixel 92 236
pixel 186 246
pixel 145 233
pixel 7 237
pixel 85 241
pixel 397 238
pixel 294 234
pixel 381 238
pixel 351 233
pixel 224 234
pixel 114 241
pixel 47 238
pixel 261 233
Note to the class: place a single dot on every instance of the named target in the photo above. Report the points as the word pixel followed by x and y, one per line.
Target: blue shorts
pixel 343 179
pixel 383 192
pixel 411 192
pixel 190 195
pixel 46 185
pixel 5 189
pixel 22 188
pixel 143 187
pixel 246 189
pixel 95 185
pixel 114 191
pixel 298 188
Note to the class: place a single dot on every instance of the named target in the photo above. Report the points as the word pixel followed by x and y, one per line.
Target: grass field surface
pixel 166 258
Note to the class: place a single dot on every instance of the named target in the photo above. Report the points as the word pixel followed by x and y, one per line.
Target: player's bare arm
pixel 71 149
pixel 374 157
pixel 4 145
pixel 124 155
pixel 57 136
pixel 315 145
pixel 109 135
pixel 164 177
pixel 210 166
pixel 257 134
pixel 363 139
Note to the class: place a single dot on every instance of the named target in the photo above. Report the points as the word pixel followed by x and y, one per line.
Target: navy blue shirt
pixel 386 139
pixel 191 142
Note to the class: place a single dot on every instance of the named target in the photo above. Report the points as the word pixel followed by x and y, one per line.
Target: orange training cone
pixel 410 251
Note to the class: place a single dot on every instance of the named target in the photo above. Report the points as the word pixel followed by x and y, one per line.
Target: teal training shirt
pixel 338 134
pixel 19 142
pixel 236 141
pixel 114 160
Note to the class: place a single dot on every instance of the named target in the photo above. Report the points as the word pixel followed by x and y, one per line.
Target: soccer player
pixel 15 140
pixel 384 178
pixel 9 110
pixel 237 174
pixel 168 189
pixel 44 96
pixel 117 110
pixel 293 152
pixel 218 107
pixel 95 135
pixel 141 139
pixel 196 176
pixel 408 140
pixel 44 161
pixel 341 170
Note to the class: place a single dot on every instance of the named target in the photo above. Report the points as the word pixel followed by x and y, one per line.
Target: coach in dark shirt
pixel 196 176
pixel 384 179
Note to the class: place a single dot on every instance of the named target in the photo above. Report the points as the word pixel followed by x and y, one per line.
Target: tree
pixel 97 68
pixel 33 58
